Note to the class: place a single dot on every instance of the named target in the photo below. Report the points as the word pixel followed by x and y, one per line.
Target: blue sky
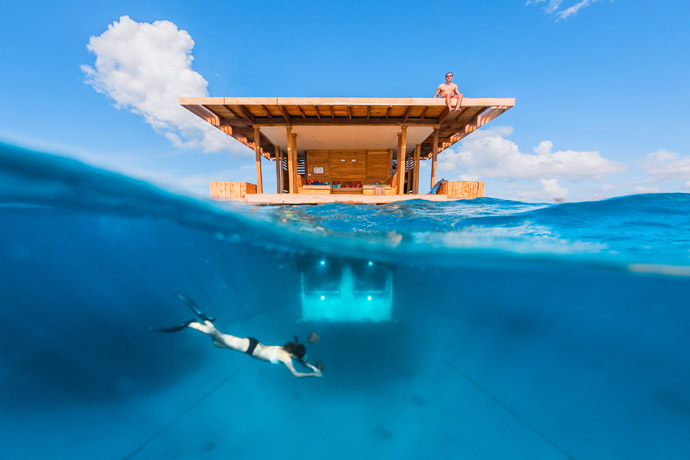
pixel 601 86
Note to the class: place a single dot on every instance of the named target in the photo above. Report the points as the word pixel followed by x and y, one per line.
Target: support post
pixel 257 150
pixel 402 140
pixel 279 169
pixel 434 153
pixel 296 180
pixel 290 149
pixel 417 153
pixel 408 164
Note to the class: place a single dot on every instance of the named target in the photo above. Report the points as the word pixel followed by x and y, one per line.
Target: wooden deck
pixel 305 199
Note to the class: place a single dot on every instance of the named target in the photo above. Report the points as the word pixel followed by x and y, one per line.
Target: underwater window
pixel 321 275
pixel 371 277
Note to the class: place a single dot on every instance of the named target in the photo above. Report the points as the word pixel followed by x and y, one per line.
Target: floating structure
pixel 360 150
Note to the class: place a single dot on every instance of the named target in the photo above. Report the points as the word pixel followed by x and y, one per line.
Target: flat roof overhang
pixel 345 123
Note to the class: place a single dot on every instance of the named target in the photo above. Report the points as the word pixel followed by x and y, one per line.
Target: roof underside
pixel 345 123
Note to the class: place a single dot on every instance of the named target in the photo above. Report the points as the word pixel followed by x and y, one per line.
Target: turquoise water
pixel 518 330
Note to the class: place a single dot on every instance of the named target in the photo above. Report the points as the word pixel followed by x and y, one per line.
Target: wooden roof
pixel 237 116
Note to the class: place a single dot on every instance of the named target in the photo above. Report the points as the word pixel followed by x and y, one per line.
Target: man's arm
pixel 438 91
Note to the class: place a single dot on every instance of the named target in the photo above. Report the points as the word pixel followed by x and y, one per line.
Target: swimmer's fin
pixel 177 327
pixel 194 307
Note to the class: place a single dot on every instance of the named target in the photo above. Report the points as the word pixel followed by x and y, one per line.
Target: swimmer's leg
pixel 219 339
pixel 194 307
pixel 175 328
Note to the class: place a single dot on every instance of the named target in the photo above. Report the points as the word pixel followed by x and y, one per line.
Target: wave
pixel 644 230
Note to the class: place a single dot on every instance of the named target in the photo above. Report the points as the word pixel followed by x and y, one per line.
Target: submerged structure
pixel 346 290
pixel 365 150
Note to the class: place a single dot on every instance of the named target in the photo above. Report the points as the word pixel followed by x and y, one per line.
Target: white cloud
pixel 542 191
pixel 553 7
pixel 664 165
pixel 489 154
pixel 641 189
pixel 144 68
pixel 553 189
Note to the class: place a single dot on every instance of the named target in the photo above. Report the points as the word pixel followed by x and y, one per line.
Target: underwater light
pixel 323 297
pixel 369 298
pixel 370 263
pixel 323 262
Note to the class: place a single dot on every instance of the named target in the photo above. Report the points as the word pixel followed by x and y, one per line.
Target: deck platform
pixel 308 199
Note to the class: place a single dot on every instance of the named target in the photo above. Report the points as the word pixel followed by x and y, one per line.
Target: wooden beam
pixel 368 111
pixel 331 110
pixel 238 114
pixel 333 121
pixel 246 113
pixel 257 150
pixel 361 101
pixel 388 111
pixel 204 113
pixel 407 113
pixel 268 112
pixel 299 109
pixel 443 116
pixel 349 112
pixel 318 115
pixel 296 180
pixel 421 116
pixel 401 159
pixel 279 169
pixel 284 113
pixel 291 180
pixel 417 153
pixel 434 154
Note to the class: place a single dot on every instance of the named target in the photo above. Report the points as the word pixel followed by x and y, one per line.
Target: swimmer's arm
pixel 291 367
pixel 438 91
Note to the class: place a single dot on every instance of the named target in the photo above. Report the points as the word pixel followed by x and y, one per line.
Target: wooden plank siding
pixel 340 166
pixel 223 190
pixel 462 189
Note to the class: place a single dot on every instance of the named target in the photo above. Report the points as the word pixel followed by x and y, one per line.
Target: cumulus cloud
pixel 144 67
pixel 664 165
pixel 553 7
pixel 553 189
pixel 489 154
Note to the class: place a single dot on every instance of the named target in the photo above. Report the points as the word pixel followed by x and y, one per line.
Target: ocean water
pixel 517 330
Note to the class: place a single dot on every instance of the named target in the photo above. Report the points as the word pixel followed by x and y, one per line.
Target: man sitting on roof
pixel 449 90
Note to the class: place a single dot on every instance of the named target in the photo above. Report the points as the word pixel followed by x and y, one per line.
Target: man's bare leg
pixel 219 339
pixel 449 103
pixel 457 105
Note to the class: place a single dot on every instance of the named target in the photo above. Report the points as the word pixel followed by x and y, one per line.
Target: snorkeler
pixel 273 353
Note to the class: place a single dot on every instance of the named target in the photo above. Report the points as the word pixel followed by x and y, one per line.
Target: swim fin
pixel 194 307
pixel 177 327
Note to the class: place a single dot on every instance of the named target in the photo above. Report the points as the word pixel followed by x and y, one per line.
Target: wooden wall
pixel 227 190
pixel 462 189
pixel 365 166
